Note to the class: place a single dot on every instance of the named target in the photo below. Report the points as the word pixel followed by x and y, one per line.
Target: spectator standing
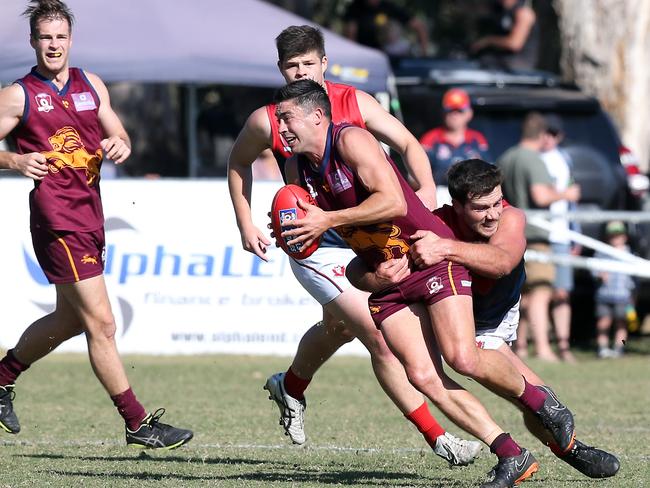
pixel 559 165
pixel 528 185
pixel 614 297
pixel 453 141
pixel 379 24
pixel 512 41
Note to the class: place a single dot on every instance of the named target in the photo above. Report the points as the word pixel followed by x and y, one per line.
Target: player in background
pixel 301 55
pixel 491 244
pixel 362 195
pixel 63 126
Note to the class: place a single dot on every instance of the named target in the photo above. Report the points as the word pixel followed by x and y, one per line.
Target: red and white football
pixel 285 208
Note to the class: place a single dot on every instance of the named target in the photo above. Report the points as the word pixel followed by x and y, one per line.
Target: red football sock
pixel 505 446
pixel 129 408
pixel 10 368
pixel 294 385
pixel 426 424
pixel 532 397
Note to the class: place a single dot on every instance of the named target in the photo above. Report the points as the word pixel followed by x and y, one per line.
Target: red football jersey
pixel 345 109
pixel 64 127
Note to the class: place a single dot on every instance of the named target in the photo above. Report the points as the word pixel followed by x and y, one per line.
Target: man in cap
pixel 453 141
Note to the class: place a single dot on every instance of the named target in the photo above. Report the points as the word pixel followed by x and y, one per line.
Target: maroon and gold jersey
pixel 64 127
pixel 335 186
pixel 345 109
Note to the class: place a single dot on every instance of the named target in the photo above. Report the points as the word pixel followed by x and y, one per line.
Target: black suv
pixel 500 101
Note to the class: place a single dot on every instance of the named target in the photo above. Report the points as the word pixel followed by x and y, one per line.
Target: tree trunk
pixel 606 52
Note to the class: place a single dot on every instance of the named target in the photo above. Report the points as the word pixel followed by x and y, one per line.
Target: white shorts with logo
pixel 504 333
pixel 323 273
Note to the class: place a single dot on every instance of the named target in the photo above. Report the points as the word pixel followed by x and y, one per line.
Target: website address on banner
pixel 233 337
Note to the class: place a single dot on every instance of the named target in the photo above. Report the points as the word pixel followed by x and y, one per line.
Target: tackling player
pixel 491 244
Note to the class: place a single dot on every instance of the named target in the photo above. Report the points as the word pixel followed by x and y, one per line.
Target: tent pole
pixel 191 114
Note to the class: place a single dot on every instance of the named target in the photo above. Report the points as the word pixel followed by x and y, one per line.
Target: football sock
pixel 532 397
pixel 505 446
pixel 428 426
pixel 294 385
pixel 10 368
pixel 129 408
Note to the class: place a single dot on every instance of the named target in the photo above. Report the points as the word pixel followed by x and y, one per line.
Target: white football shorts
pixel 505 332
pixel 323 273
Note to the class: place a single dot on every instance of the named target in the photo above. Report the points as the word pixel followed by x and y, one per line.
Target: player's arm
pixel 359 149
pixel 12 103
pixel 116 143
pixel 361 152
pixel 391 131
pixel 387 273
pixel 253 139
pixel 493 259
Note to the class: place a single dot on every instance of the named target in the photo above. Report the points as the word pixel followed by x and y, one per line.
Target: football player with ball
pixel 301 54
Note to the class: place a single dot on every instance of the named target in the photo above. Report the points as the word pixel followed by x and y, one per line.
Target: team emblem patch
pixel 44 102
pixel 434 285
pixel 338 271
pixel 339 182
pixel 88 259
pixel 83 101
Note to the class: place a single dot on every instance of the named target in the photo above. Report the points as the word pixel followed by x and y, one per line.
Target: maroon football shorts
pixel 68 257
pixel 426 286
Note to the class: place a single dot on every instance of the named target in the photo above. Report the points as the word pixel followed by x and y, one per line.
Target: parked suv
pixel 500 101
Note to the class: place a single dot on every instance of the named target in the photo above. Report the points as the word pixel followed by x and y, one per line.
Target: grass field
pixel 73 437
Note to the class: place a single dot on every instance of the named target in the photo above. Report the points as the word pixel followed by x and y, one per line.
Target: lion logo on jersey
pixel 382 237
pixel 69 151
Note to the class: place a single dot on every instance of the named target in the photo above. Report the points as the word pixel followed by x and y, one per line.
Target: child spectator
pixel 614 297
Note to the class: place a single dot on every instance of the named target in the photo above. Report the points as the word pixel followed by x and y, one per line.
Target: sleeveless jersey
pixel 493 298
pixel 345 108
pixel 335 186
pixel 64 127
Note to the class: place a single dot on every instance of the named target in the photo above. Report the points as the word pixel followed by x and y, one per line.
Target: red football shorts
pixel 68 257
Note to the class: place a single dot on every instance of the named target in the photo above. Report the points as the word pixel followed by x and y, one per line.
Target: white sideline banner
pixel 177 276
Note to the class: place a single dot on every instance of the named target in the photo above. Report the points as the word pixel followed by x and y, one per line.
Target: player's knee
pixel 463 360
pixel 338 331
pixel 422 377
pixel 102 327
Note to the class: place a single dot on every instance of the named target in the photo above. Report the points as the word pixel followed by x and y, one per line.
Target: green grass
pixel 73 437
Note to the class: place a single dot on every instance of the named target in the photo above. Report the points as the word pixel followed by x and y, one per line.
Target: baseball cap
pixel 455 99
pixel 615 227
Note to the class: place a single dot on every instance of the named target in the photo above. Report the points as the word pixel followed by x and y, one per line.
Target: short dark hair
pixel 534 126
pixel 48 10
pixel 472 178
pixel 307 94
pixel 299 39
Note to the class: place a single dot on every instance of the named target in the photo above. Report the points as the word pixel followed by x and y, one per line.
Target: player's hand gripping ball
pixel 285 209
